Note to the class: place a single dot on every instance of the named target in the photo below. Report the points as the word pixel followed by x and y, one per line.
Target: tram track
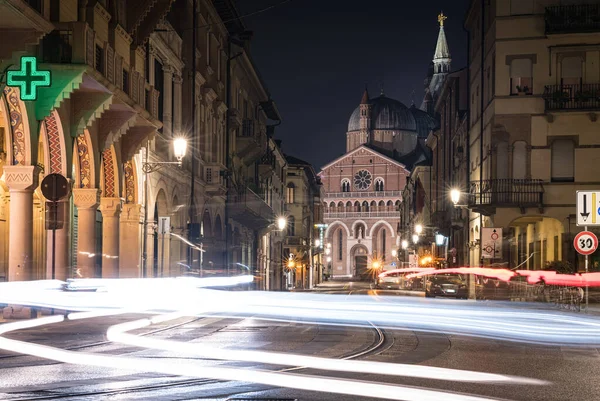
pixel 378 342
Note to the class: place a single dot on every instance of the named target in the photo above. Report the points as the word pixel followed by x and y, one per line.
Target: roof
pixel 369 148
pixel 420 156
pixel 386 113
pixel 365 97
pixel 441 49
pixel 308 168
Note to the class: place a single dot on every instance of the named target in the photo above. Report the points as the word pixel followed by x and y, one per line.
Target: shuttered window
pixel 521 76
pixel 571 70
pixel 563 160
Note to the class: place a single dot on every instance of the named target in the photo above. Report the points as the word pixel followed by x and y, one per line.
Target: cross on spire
pixel 382 92
pixel 441 18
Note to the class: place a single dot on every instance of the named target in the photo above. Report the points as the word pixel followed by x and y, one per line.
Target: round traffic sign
pixel 586 243
pixel 55 187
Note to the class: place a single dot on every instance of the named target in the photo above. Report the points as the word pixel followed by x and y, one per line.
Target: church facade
pixel 363 188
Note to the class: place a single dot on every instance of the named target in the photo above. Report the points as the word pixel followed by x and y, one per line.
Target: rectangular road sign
pixel 588 208
pixel 491 243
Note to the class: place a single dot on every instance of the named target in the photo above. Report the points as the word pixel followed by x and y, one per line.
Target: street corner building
pixel 129 81
pixel 363 189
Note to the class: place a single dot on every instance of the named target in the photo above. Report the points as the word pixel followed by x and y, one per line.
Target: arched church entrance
pixel 360 261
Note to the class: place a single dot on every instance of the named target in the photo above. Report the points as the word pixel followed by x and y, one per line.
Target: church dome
pixel 386 114
pixel 425 122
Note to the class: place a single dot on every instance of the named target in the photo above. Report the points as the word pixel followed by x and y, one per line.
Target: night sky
pixel 317 55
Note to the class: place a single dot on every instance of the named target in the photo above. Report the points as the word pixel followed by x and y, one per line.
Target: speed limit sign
pixel 586 243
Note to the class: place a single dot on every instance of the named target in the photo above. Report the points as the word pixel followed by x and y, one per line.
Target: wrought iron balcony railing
pixel 507 192
pixel 572 97
pixel 579 18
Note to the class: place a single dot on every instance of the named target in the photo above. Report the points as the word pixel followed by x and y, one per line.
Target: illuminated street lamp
pixel 328 259
pixel 317 243
pixel 179 150
pixel 419 229
pixel 415 238
pixel 404 244
pixel 281 223
pixel 455 196
pixel 394 253
pixel 376 265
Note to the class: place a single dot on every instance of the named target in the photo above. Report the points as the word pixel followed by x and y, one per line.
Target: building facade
pixel 532 123
pixel 302 201
pixel 127 81
pixel 363 189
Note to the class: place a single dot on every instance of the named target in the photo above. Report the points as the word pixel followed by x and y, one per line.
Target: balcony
pixel 267 164
pixel 21 25
pixel 572 97
pixel 349 195
pixel 294 241
pixel 582 18
pixel 251 141
pixel 250 210
pixel 485 197
pixel 361 215
pixel 74 43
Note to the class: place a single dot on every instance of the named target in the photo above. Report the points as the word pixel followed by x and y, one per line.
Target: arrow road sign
pixel 585 214
pixel 588 208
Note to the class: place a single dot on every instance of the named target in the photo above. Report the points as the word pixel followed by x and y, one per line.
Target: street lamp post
pixel 179 151
pixel 281 225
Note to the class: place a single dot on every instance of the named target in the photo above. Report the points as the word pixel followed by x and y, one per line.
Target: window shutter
pixel 571 67
pixel 521 67
pixel 563 152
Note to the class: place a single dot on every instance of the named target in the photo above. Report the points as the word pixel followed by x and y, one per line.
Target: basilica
pixel 362 189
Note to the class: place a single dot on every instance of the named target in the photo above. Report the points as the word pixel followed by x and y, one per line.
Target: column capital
pixel 21 177
pixel 168 69
pixel 110 207
pixel 177 79
pixel 131 212
pixel 86 198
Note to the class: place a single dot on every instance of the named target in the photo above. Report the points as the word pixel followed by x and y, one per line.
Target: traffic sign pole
pixel 587 287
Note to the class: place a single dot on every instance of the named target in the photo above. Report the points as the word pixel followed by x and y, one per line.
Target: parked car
pixel 446 285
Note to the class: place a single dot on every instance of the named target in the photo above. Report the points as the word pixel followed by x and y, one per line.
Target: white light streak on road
pixel 301 382
pixel 118 333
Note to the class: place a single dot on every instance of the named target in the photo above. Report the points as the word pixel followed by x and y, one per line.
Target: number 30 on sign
pixel 586 243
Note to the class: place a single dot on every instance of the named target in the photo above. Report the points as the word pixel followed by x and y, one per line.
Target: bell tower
pixel 360 137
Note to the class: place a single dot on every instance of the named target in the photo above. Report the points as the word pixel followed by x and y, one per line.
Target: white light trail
pixel 118 333
pixel 302 382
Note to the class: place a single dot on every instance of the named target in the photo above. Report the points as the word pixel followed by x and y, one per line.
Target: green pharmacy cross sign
pixel 28 78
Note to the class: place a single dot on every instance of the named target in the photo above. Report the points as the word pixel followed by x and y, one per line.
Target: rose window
pixel 362 180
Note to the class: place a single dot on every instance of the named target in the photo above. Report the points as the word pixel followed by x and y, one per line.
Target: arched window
pixel 345 185
pixel 291 193
pixel 340 244
pixel 519 160
pixel 379 184
pixel 365 206
pixel 291 226
pixel 563 160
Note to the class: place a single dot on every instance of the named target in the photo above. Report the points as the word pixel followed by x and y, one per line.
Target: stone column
pixel 177 81
pixel 111 208
pixel 130 258
pixel 86 200
pixel 151 227
pixel 62 245
pixel 21 181
pixel 167 117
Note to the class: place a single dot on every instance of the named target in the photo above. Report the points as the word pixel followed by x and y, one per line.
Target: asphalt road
pixel 572 372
